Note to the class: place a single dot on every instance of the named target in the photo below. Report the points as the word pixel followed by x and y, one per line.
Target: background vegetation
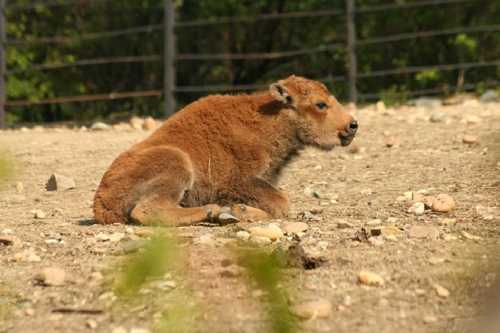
pixel 246 37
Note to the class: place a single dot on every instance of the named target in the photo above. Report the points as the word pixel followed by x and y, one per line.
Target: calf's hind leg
pixel 168 174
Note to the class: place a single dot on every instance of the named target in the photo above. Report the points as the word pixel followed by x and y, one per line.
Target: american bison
pixel 218 159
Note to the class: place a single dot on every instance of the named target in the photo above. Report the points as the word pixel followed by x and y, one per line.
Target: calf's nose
pixel 352 127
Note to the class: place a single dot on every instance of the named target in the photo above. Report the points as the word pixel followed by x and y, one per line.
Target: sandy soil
pixel 431 157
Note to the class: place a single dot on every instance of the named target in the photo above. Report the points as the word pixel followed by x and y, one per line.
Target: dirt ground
pixel 368 181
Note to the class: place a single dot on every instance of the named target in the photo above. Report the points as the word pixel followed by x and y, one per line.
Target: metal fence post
pixel 3 64
pixel 168 60
pixel 351 44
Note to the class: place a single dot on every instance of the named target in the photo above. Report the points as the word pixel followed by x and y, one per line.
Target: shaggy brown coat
pixel 222 151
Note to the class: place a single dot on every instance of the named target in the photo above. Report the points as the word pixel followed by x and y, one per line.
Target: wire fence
pixel 170 55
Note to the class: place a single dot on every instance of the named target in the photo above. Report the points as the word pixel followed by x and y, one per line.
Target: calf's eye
pixel 321 106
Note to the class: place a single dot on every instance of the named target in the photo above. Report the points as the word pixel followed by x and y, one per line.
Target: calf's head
pixel 323 122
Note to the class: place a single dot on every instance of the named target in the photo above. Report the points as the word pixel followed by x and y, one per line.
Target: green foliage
pixel 266 274
pixel 6 168
pixel 262 36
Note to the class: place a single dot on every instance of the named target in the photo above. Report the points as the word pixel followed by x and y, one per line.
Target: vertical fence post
pixel 3 64
pixel 168 58
pixel 351 44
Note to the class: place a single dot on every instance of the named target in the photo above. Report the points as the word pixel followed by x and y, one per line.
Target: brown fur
pixel 222 150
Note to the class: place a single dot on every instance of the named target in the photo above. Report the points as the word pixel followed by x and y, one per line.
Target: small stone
pixel 436 261
pixel 30 311
pixel 91 323
pixel 469 138
pixel 149 124
pixel 417 197
pixel 7 231
pixel 292 214
pixel 166 285
pixel 366 191
pixel 423 232
pixel 468 236
pixel 26 256
pixel 51 276
pixel 443 204
pixel 391 142
pixel 259 241
pixel 448 222
pixel 375 242
pixel 97 276
pixel 144 233
pixel 116 237
pixel 319 194
pixel 344 225
pixel 442 292
pixel 226 218
pixel 429 201
pixel 420 292
pixel 380 106
pixel 386 231
pixel 59 183
pixel 136 245
pixel 271 233
pixel 320 308
pixel 332 196
pixel 427 102
pixel 417 208
pixel 102 237
pixel 296 227
pixel 100 126
pixel 11 241
pixel 373 202
pixel 374 222
pixel 341 308
pixel 430 319
pixel 307 215
pixel 490 96
pixel 39 214
pixel 242 235
pixel 370 279
pixel 391 238
pixel 437 117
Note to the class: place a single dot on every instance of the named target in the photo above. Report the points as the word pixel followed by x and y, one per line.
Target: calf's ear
pixel 281 94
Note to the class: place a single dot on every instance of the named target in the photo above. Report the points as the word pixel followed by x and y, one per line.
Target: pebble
pixel 391 238
pixel 149 124
pixel 437 118
pixel 7 231
pixel 307 215
pixel 386 231
pixel 271 233
pixel 144 233
pixel 39 214
pixel 375 242
pixel 51 276
pixel 423 232
pixel 116 237
pixel 59 183
pixel 97 276
pixel 226 218
pixel 91 323
pixel 296 227
pixel 344 225
pixel 320 308
pixel 443 204
pixel 374 222
pixel 428 201
pixel 100 126
pixel 442 292
pixel 391 142
pixel 26 256
pixel 430 319
pixel 30 311
pixel 12 241
pixel 370 278
pixel 373 202
pixel 469 138
pixel 259 241
pixel 468 236
pixel 102 237
pixel 140 330
pixel 135 246
pixel 242 235
pixel 417 208
pixel 319 194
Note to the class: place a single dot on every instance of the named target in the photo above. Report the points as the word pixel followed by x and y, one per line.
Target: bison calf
pixel 218 159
